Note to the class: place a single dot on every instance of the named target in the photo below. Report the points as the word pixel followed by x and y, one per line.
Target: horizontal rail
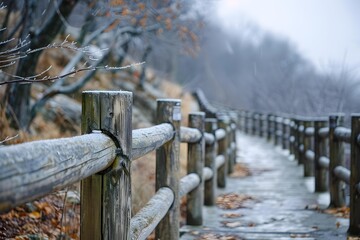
pixel 310 155
pixel 342 173
pixel 343 134
pixel 146 140
pixel 34 169
pixel 324 132
pixel 207 173
pixel 324 162
pixel 190 135
pixel 209 138
pixel 309 132
pixel 220 134
pixel 146 220
pixel 301 148
pixel 188 183
pixel 219 161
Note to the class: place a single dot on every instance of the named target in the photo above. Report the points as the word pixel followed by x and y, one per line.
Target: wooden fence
pixel 101 160
pixel 318 144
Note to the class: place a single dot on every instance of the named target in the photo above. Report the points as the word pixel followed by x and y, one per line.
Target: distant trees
pixel 30 27
pixel 266 73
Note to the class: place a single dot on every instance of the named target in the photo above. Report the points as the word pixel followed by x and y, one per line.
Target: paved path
pixel 280 196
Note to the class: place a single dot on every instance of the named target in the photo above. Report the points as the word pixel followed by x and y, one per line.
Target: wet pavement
pixel 283 204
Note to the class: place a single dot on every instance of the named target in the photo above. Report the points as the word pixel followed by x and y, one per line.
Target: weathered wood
pixel 277 130
pixel 168 167
pixel 343 134
pixel 308 155
pixel 219 161
pixel 261 125
pixel 336 150
pixel 188 183
pixel 342 174
pixel 296 139
pixel 309 131
pixel 204 104
pixel 324 132
pixel 210 155
pixel 321 173
pixel 254 121
pixel 220 134
pixel 269 124
pixel 285 133
pixel 190 135
pixel 34 169
pixel 146 140
pixel 324 162
pixel 106 197
pixel 301 139
pixel 222 150
pixel 230 148
pixel 209 138
pixel 146 220
pixel 208 173
pixel 292 137
pixel 195 164
pixel 354 226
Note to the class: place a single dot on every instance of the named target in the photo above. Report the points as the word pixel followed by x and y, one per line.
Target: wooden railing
pixel 318 144
pixel 101 160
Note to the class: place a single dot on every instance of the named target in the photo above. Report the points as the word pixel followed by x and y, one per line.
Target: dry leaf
pixel 231 215
pixel 34 215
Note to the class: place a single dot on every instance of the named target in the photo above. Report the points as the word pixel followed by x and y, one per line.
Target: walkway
pixel 281 205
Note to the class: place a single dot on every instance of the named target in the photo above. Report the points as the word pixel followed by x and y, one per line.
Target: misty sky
pixel 325 31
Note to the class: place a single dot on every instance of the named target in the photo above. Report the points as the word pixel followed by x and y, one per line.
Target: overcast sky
pixel 325 31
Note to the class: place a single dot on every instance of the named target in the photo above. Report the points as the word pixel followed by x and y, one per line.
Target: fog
pixel 324 31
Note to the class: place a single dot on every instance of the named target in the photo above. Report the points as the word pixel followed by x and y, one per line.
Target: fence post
pixel 308 164
pixel 292 137
pixel 276 130
pixel 210 155
pixel 253 121
pixel 269 126
pixel 285 135
pixel 106 196
pixel 246 122
pixel 229 150
pixel 321 174
pixel 168 166
pixel 195 164
pixel 336 148
pixel 261 124
pixel 222 150
pixel 301 138
pixel 354 227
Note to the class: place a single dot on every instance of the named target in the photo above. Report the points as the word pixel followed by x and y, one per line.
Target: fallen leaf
pixel 232 224
pixel 232 200
pixel 34 215
pixel 231 215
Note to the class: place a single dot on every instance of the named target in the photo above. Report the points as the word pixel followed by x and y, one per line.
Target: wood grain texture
pixel 195 164
pixel 146 140
pixel 34 169
pixel 336 150
pixel 210 155
pixel 354 226
pixel 188 183
pixel 190 135
pixel 320 149
pixel 222 150
pixel 146 220
pixel 168 167
pixel 106 197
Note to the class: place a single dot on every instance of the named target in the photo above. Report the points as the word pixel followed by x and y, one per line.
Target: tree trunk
pixel 19 94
